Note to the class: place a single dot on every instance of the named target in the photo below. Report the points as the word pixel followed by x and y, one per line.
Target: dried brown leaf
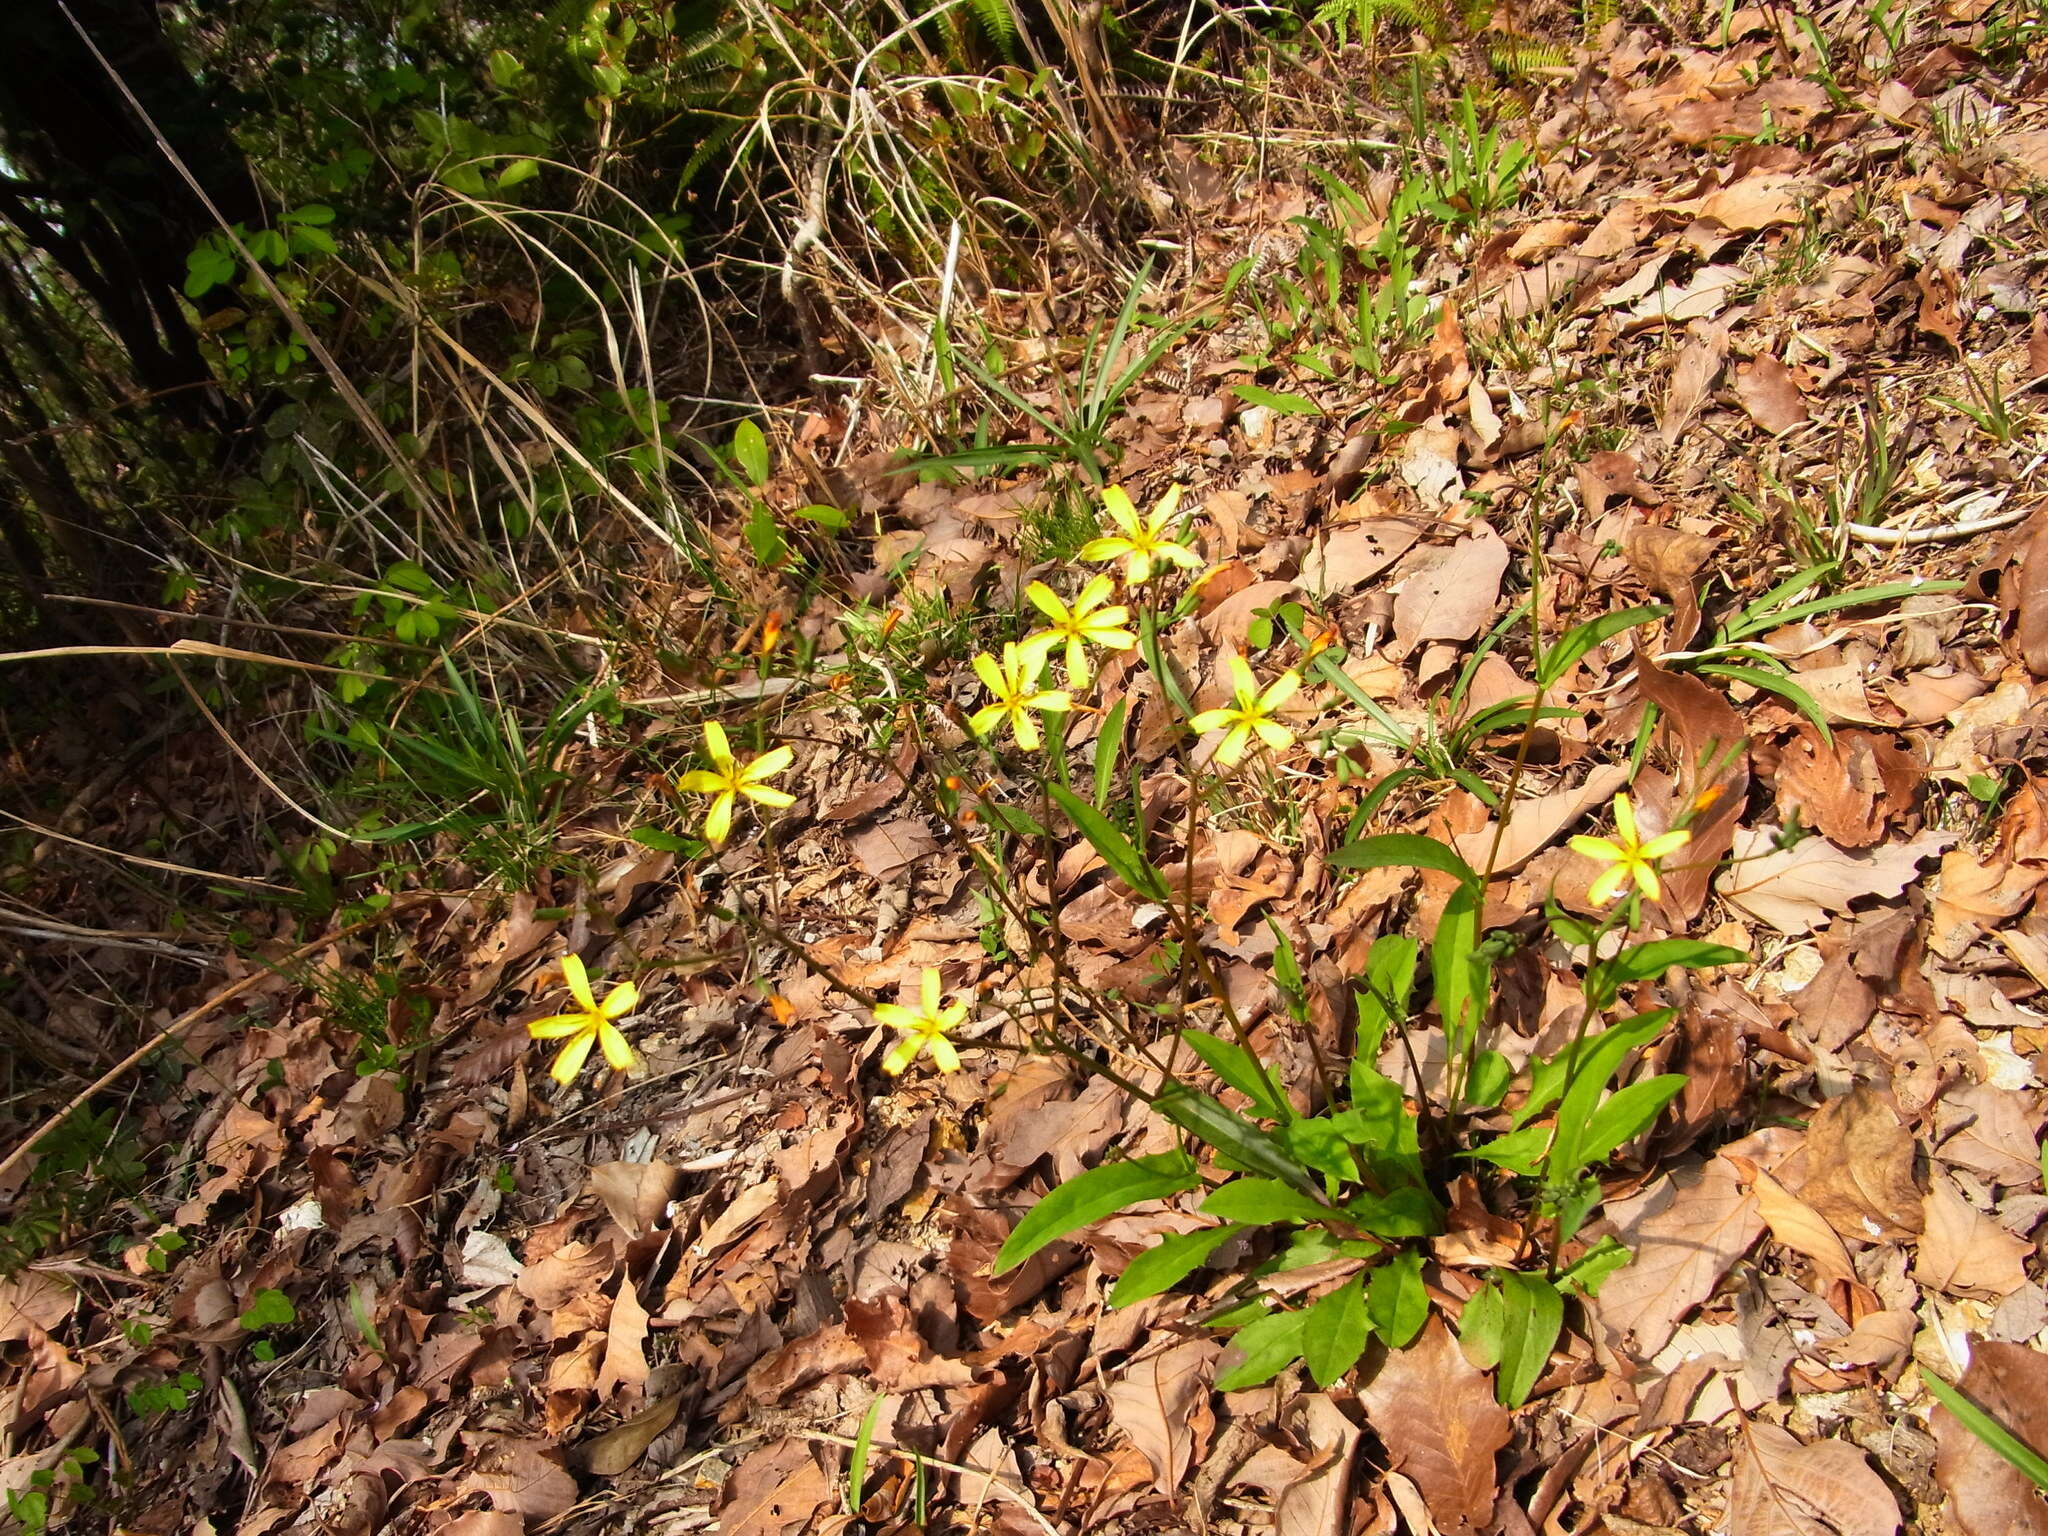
pixel 1771 395
pixel 1161 1401
pixel 1826 1488
pixel 1686 1230
pixel 1438 1419
pixel 1987 1495
pixel 1965 1252
pixel 1859 1169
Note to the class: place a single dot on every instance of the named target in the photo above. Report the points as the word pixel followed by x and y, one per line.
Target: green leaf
pixel 1396 1300
pixel 750 453
pixel 1117 851
pixel 1406 850
pixel 1107 740
pixel 1093 1195
pixel 1238 1144
pixel 1389 983
pixel 1491 1074
pixel 505 68
pixel 268 1309
pixel 857 1463
pixel 1262 1202
pixel 832 519
pixel 1168 1262
pixel 1286 405
pixel 1548 1076
pixel 1594 1068
pixel 1480 1324
pixel 1242 1071
pixel 1773 682
pixel 2028 1461
pixel 1532 1315
pixel 1642 962
pixel 1560 658
pixel 1585 1274
pixel 1268 1345
pixel 1627 1113
pixel 1334 1332
pixel 1459 974
pixel 525 168
pixel 662 842
pixel 1401 1213
pixel 1520 1151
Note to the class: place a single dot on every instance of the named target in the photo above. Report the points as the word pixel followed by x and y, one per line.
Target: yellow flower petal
pixel 716 747
pixel 618 1054
pixel 1608 886
pixel 570 1061
pixel 698 782
pixel 579 981
pixel 904 1053
pixel 1669 843
pixel 944 1056
pixel 1600 848
pixel 718 820
pixel 762 794
pixel 557 1026
pixel 767 765
pixel 620 1001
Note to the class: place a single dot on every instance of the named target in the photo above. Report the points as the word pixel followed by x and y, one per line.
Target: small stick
pixel 1896 538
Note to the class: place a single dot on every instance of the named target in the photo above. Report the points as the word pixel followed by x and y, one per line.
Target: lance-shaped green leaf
pixel 1532 1315
pixel 1093 1195
pixel 1396 1300
pixel 1239 1144
pixel 1404 850
pixel 1334 1332
pixel 1269 1344
pixel 1264 1201
pixel 1118 852
pixel 1242 1071
pixel 1168 1262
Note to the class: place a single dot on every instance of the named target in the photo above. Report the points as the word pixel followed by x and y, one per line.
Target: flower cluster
pixel 1629 859
pixel 1146 545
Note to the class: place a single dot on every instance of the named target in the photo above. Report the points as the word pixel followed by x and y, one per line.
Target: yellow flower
pixel 1630 860
pixel 590 1025
pixel 1250 713
pixel 1142 542
pixel 730 781
pixel 1086 621
pixel 925 1026
pixel 1013 683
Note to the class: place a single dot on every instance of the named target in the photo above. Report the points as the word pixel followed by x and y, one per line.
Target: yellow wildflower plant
pixel 1013 686
pixel 1143 543
pixel 924 1027
pixel 1087 623
pixel 1249 714
pixel 729 781
pixel 590 1025
pixel 1630 860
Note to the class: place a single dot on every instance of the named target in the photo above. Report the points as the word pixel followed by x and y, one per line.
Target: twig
pixel 1896 538
pixel 136 858
pixel 185 1021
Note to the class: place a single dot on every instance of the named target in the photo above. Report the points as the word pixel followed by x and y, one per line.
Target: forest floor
pixel 1765 348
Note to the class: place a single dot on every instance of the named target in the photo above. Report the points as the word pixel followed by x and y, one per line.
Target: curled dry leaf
pixel 1162 1402
pixel 1965 1252
pixel 1987 1495
pixel 1449 593
pixel 1770 394
pixel 1859 1169
pixel 1826 1488
pixel 1794 889
pixel 1441 1426
pixel 1686 1230
pixel 1311 1497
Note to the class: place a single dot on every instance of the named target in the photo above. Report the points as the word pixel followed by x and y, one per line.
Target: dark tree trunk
pixel 95 194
